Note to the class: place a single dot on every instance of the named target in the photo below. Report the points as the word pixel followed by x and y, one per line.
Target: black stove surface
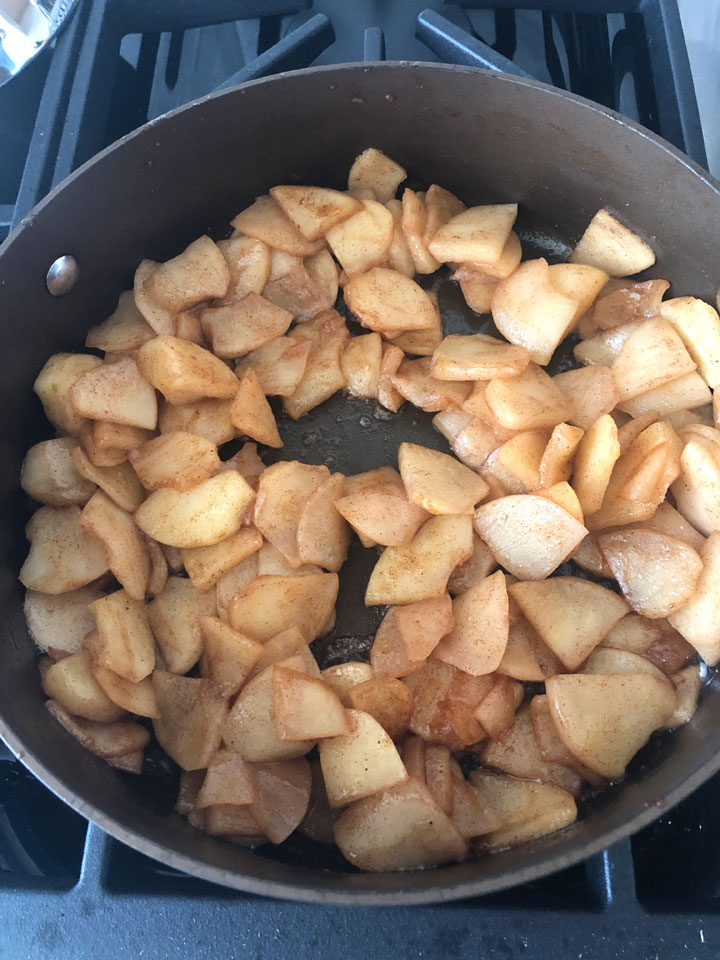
pixel 66 889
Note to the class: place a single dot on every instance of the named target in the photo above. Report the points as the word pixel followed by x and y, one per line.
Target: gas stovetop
pixel 68 890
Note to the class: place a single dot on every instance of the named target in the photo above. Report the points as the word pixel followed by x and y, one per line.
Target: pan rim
pixel 303 891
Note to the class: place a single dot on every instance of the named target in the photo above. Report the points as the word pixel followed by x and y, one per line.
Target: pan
pixel 487 137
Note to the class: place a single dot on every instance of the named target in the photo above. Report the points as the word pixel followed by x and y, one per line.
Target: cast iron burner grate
pixel 70 891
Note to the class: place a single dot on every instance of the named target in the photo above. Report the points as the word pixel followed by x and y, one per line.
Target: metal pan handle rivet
pixel 62 276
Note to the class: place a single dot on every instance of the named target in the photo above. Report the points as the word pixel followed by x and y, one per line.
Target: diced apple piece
pixel 206 565
pixel 58 624
pixel 626 302
pixel 517 754
pixel 120 483
pixel 496 711
pixel 415 383
pixel 183 372
pixel 291 287
pixel 607 660
pixel 125 547
pixel 697 489
pixel 698 326
pixel 314 210
pixel 305 708
pixel 207 418
pixel 445 698
pixel 657 573
pixel 250 412
pixel 527 402
pixel 679 395
pixel 323 374
pixel 423 624
pixel 699 620
pixel 283 491
pixel 229 779
pixel 63 555
pixel 437 482
pixel 72 684
pixel 580 282
pixel 524 810
pixel 360 362
pixel 556 461
pixel 515 464
pixel 399 829
pixel 477 357
pixel 248 262
pixel 174 619
pixel 385 699
pixel 206 514
pixel 120 743
pixel 279 364
pixel 668 520
pixel 228 656
pixel 388 654
pixel 438 776
pixel 529 535
pixel 284 794
pixel 652 355
pixel 388 396
pixel 270 562
pixel 344 676
pixel 414 228
pixel 422 568
pixel 605 720
pixel 478 234
pixel 477 641
pixel 357 482
pixel 571 615
pixel 138 698
pixel 53 385
pixel 594 461
pixel 613 247
pixel 564 495
pixel 322 533
pixel 605 346
pixel 362 241
pixel 271 604
pixel 117 392
pixel 264 220
pixel 250 728
pixel 236 328
pixel 399 255
pixel 123 641
pixel 49 474
pixel 591 392
pixel 478 566
pixel 361 762
pixel 520 660
pixel 125 329
pixel 192 714
pixel 688 683
pixel 388 301
pixel 441 205
pixel 198 273
pixel 373 170
pixel 531 312
pixel 477 288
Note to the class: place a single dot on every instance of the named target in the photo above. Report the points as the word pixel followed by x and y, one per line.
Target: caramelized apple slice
pixel 477 641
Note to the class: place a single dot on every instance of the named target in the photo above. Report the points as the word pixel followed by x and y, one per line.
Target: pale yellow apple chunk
pixel 314 210
pixel 360 361
pixel 402 828
pixel 437 482
pixel 323 535
pixel 270 604
pixel 125 329
pixel 71 683
pixel 248 262
pixel 305 708
pixel 58 624
pixel 607 660
pixel 53 385
pixel 697 489
pixel 284 789
pixel 515 464
pixel 386 300
pixel 381 513
pixel 374 170
pixel 124 642
pixel 652 355
pixel 280 365
pixel 605 720
pixel 250 412
pixel 206 514
pixel 530 536
pixel 414 381
pixel 138 698
pixel 594 461
pixel 571 615
pixel 360 762
pixel 184 372
pixel 174 618
pixel 244 325
pixel 206 565
pixel 530 311
pixel 557 458
pixel 323 374
pixel 362 241
pixel 580 282
pixel 344 676
pixel 125 547
pixel 685 393
pixel 590 390
pixel 63 555
pixel 117 392
pixel 422 568
pixel 612 247
pixel 199 273
pixel 283 491
pixel 657 574
pixel 228 656
pixel 50 476
pixel 477 357
pixel 477 641
pixel 119 483
pixel 192 712
pixel 478 234
pixel 264 220
pixel 698 326
pixel 528 401
pixel 699 620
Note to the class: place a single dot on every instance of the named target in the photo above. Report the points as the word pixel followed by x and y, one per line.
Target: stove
pixel 66 889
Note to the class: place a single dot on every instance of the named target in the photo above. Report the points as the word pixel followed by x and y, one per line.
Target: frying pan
pixel 487 137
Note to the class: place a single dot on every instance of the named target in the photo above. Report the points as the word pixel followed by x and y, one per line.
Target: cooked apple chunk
pixel 270 604
pixel 478 234
pixel 72 684
pixel 362 241
pixel 264 220
pixel 528 401
pixel 123 641
pixel 571 615
pixel 422 568
pixel 63 555
pixel 125 547
pixel 402 828
pixel 236 328
pixel 605 720
pixel 118 392
pixel 314 210
pixel 530 536
pixel 305 708
pixel 283 491
pixel 53 385
pixel 381 513
pixel 360 762
pixel 612 247
pixel 658 574
pixel 390 302
pixel 192 712
pixel 183 372
pixel 250 412
pixel 206 514
pixel 652 355
pixel 699 620
pixel 477 357
pixel 323 535
pixel 438 483
pixel 479 636
pixel 373 170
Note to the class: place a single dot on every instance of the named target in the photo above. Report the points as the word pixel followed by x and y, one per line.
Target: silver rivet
pixel 62 276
